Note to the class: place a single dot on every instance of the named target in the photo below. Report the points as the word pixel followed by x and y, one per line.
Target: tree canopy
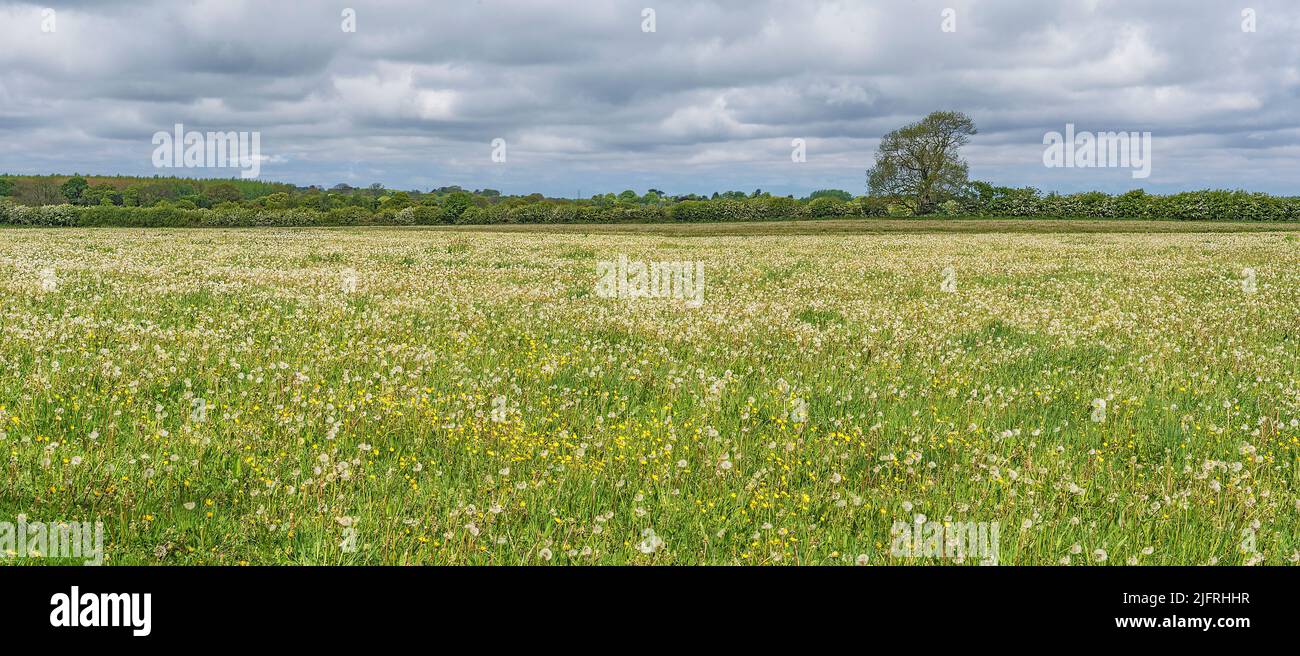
pixel 919 163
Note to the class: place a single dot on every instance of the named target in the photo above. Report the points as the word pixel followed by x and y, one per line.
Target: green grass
pixel 474 401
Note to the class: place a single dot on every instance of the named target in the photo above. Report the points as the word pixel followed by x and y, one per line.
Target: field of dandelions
pixel 415 396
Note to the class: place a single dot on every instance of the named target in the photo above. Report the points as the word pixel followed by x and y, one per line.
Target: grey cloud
pixel 708 101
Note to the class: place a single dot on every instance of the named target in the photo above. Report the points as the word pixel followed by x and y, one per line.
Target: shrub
pixel 426 215
pixel 780 207
pixel 827 206
pixel 1135 204
pixel 980 199
pixel 640 214
pixel 691 211
pixel 404 216
pixel 872 206
pixel 491 214
pixel 231 217
pixel 54 215
pixel 898 210
pixel 532 213
pixel 564 214
pixel 347 216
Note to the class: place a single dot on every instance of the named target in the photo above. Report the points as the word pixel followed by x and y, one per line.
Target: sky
pixel 594 96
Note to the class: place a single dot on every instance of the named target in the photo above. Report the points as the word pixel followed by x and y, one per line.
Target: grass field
pixel 891 226
pixel 224 397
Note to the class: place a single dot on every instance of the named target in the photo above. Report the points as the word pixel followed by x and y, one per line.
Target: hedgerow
pixel 982 200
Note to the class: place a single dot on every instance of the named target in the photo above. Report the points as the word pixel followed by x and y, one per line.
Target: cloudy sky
pixel 589 101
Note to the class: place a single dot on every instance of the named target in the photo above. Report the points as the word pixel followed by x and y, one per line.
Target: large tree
pixel 42 192
pixel 73 188
pixel 919 163
pixel 223 192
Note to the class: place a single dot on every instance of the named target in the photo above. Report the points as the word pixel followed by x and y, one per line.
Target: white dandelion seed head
pixel 650 543
pixel 1098 410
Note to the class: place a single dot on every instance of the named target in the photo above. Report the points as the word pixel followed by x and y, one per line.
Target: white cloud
pixel 394 97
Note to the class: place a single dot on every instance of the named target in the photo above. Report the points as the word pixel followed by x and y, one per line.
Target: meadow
pixel 1107 392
